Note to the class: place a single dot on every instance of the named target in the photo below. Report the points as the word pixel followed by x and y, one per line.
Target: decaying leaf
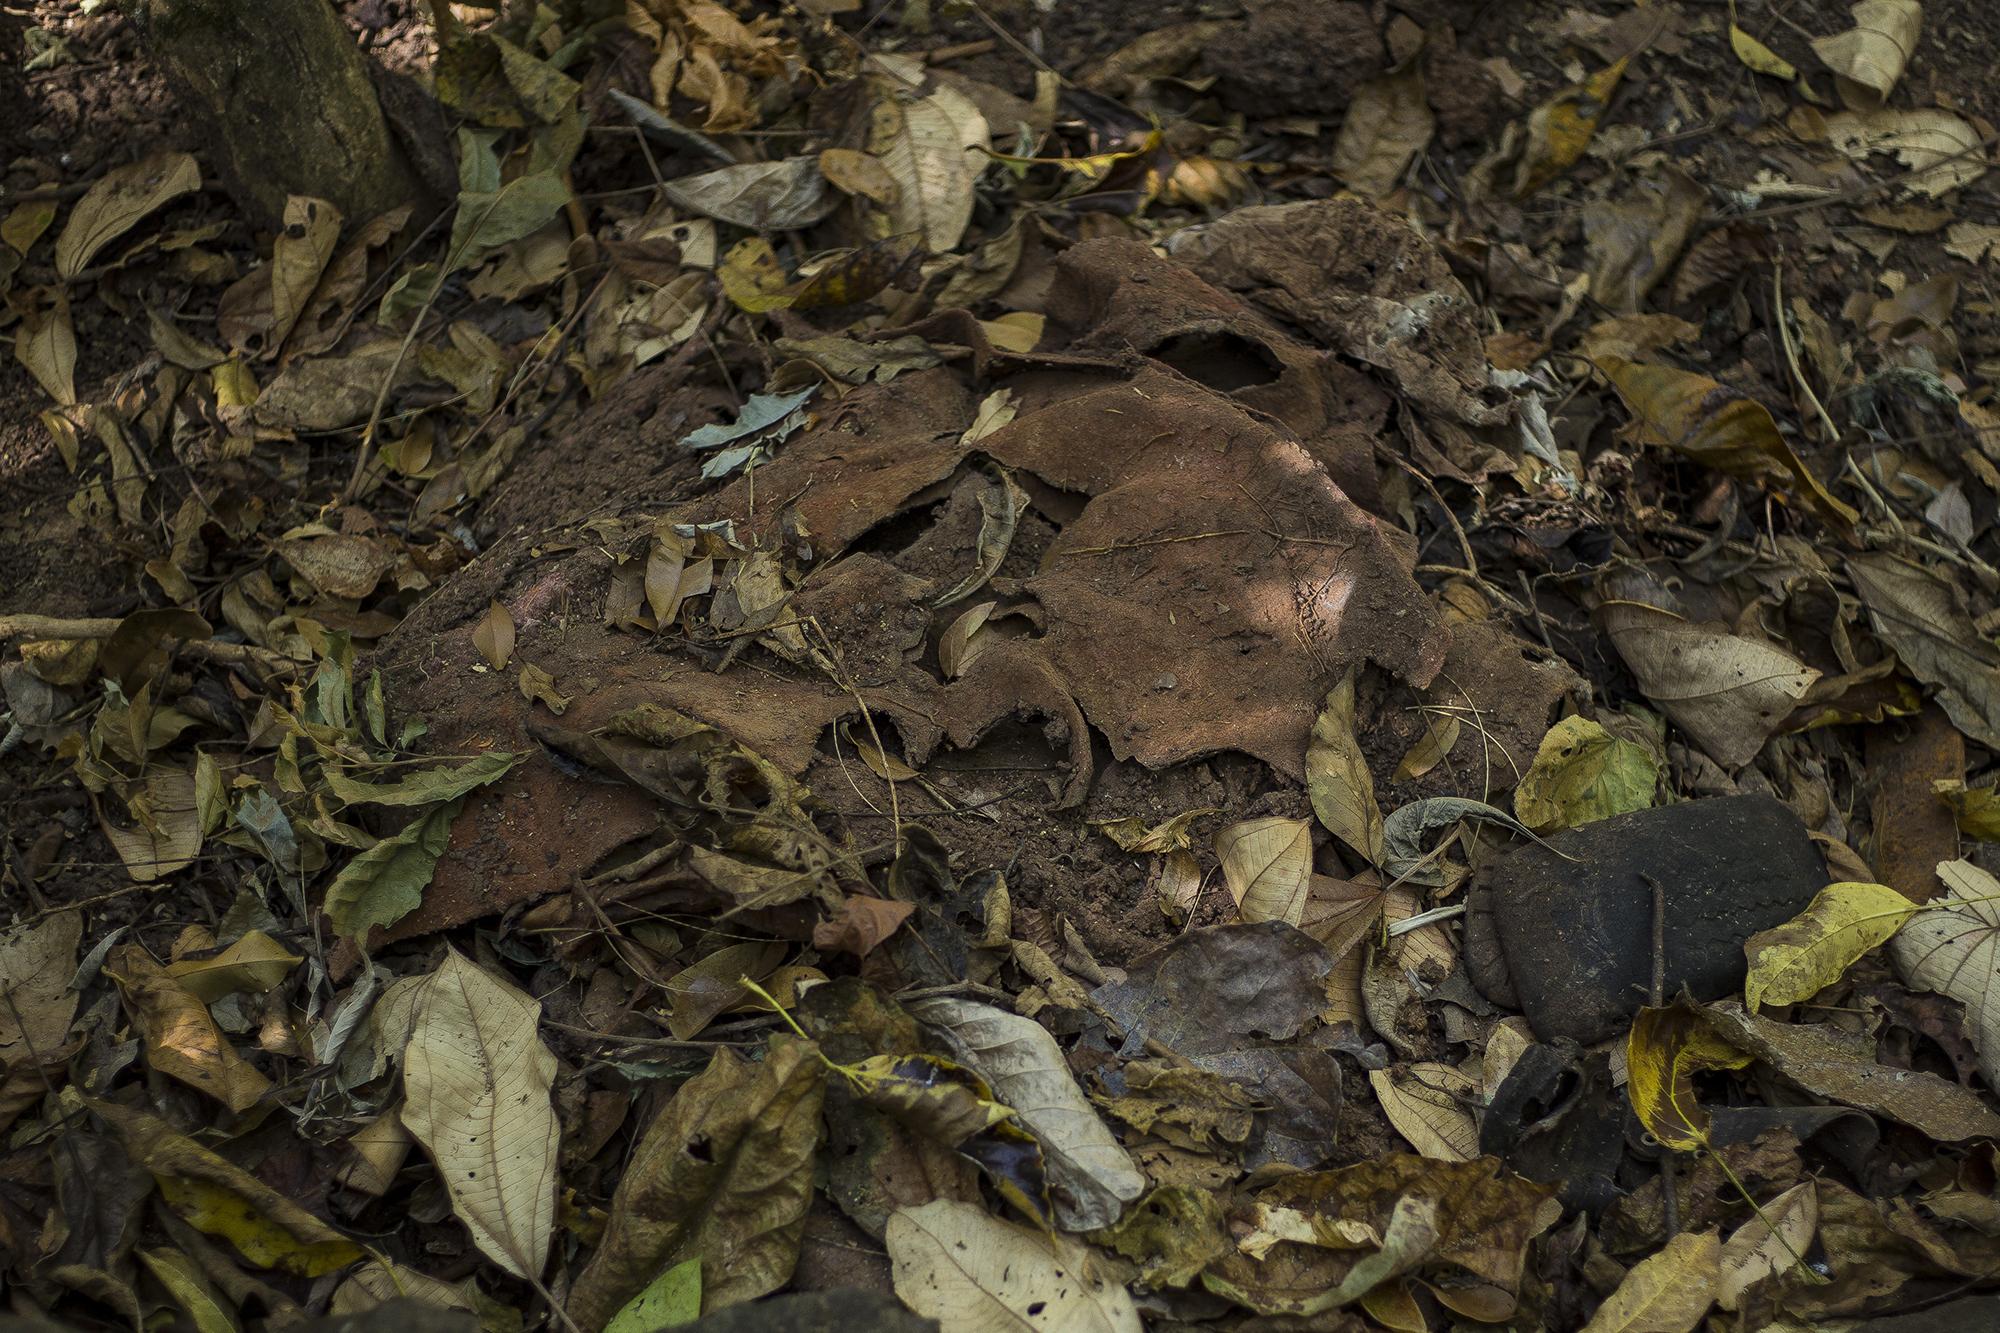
pixel 956 1263
pixel 1797 960
pixel 37 962
pixel 476 1081
pixel 722 1175
pixel 166 832
pixel 1696 416
pixel 219 1198
pixel 1953 948
pixel 1868 58
pixel 1267 864
pixel 1668 1292
pixel 1776 1237
pixel 929 146
pixel 1582 773
pixel 1337 777
pixel 1561 128
pixel 762 196
pixel 1728 692
pixel 1091 1178
pixel 114 205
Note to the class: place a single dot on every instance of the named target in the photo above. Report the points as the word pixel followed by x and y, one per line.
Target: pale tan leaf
pixel 1337 777
pixel 1729 693
pixel 117 201
pixel 927 146
pixel 958 1264
pixel 1440 735
pixel 1429 1104
pixel 476 1080
pixel 1667 1293
pixel 1267 864
pixel 1953 948
pixel 46 345
pixel 165 832
pixel 1869 58
pixel 298 257
pixel 1772 1240
pixel 854 172
pixel 1943 150
pixel 1387 124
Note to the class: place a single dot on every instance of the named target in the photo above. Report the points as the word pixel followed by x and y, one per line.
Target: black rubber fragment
pixel 1570 942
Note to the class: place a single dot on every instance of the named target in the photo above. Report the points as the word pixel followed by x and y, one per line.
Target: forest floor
pixel 1321 664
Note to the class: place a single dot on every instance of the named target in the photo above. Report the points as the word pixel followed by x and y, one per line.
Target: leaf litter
pixel 874 668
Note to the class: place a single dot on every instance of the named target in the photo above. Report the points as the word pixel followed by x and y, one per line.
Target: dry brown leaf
pixel 854 172
pixel 476 1081
pixel 494 636
pixel 1923 617
pixel 1953 948
pixel 1337 777
pixel 46 345
pixel 1869 58
pixel 1942 150
pixel 1387 124
pixel 298 257
pixel 165 833
pixel 114 205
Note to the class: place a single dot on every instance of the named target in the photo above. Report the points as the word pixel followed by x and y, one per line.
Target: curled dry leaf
pixel 1665 1049
pixel 1942 151
pixel 1267 864
pixel 1091 1178
pixel 1869 58
pixel 1759 57
pixel 1668 1292
pixel 1729 693
pixel 1953 948
pixel 1696 416
pixel 1797 960
pixel 114 205
pixel 1922 617
pixel 957 1264
pixel 476 1081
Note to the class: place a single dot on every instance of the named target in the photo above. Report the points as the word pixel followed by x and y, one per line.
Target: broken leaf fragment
pixel 1797 960
pixel 1716 427
pixel 476 1081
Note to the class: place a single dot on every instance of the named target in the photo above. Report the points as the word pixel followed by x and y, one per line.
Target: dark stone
pixel 1568 937
pixel 844 1311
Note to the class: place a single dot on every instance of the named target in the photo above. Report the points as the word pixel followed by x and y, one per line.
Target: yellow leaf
pixel 1440 735
pixel 1667 1047
pixel 752 277
pixel 1582 773
pixel 1337 777
pixel 1716 427
pixel 1268 866
pixel 254 964
pixel 1759 57
pixel 190 1290
pixel 1977 808
pixel 221 1199
pixel 1667 1293
pixel 1133 834
pixel 1562 128
pixel 476 1081
pixel 1797 960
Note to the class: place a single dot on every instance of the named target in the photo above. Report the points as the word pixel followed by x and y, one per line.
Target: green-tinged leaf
pixel 221 1199
pixel 476 1081
pixel 386 883
pixel 254 964
pixel 489 219
pixel 190 1290
pixel 669 1301
pixel 1977 808
pixel 45 344
pixel 1583 773
pixel 1133 834
pixel 1668 1292
pixel 724 1175
pixel 426 786
pixel 1797 960
pixel 1337 777
pixel 114 205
